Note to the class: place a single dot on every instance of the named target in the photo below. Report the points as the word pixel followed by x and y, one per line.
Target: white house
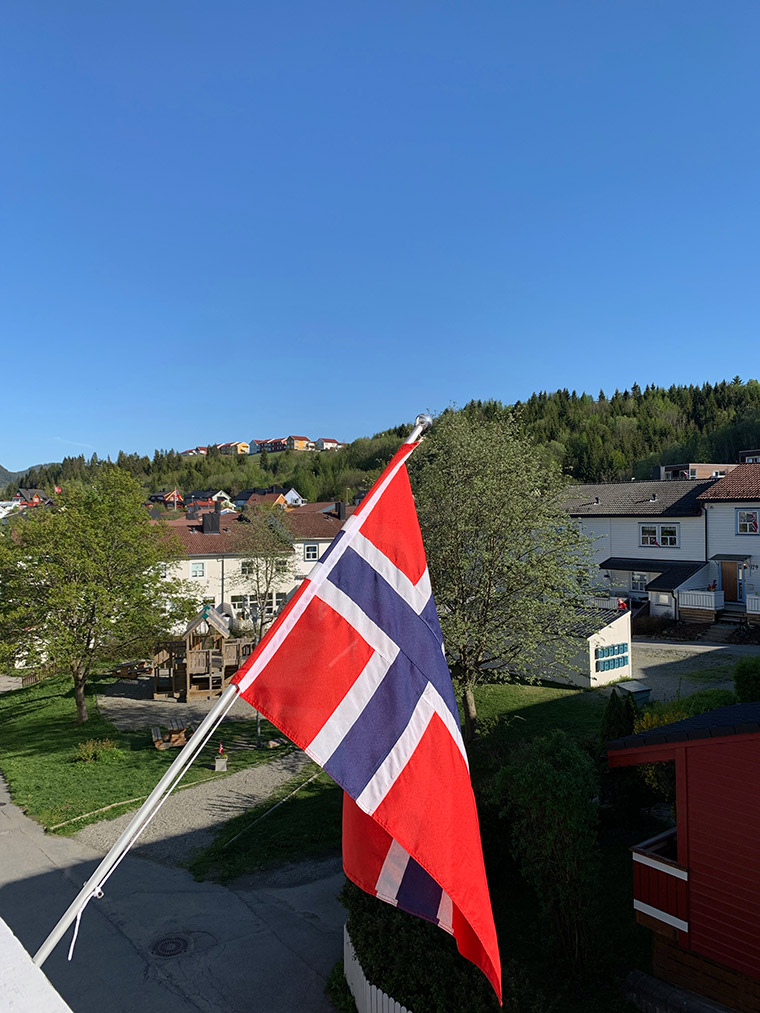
pixel 215 566
pixel 691 547
pixel 731 579
pixel 649 537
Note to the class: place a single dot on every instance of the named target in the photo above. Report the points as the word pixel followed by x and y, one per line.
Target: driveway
pixel 674 669
pixel 158 940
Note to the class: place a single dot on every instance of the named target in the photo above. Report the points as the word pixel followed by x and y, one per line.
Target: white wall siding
pixel 598 530
pixel 624 538
pixel 619 536
pixel 701 578
pixel 618 632
pixel 722 538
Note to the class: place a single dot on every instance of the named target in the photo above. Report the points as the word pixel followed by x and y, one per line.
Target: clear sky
pixel 239 219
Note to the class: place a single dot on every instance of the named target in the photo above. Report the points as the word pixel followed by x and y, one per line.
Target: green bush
pixel 97 749
pixel 707 700
pixel 413 961
pixel 550 787
pixel 747 679
pixel 619 717
pixel 649 626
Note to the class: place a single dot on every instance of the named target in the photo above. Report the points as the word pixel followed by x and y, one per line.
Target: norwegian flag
pixel 353 671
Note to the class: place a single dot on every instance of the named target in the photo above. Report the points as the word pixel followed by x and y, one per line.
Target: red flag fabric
pixel 353 671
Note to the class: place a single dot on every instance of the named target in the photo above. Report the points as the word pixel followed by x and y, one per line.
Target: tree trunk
pixel 79 683
pixel 470 715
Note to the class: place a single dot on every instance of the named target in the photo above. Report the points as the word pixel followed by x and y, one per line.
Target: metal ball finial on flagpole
pixel 422 423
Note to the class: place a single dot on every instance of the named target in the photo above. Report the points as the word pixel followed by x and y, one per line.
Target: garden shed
pixel 697 886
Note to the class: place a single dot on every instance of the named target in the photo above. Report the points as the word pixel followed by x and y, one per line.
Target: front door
pixel 728 580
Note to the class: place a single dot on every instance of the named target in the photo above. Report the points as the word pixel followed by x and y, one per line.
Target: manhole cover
pixel 170 946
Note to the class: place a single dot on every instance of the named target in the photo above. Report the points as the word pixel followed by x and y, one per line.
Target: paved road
pixel 267 945
pixel 670 668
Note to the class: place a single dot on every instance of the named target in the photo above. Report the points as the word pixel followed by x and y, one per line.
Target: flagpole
pixel 422 423
pixel 92 888
pixel 180 764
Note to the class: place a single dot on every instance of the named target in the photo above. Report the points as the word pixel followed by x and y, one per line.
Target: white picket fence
pixel 368 998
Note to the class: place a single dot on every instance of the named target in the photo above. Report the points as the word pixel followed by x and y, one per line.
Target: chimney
pixel 341 510
pixel 211 524
pixel 218 506
pixel 653 498
pixel 596 501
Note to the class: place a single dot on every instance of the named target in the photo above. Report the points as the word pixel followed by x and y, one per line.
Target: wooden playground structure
pixel 202 662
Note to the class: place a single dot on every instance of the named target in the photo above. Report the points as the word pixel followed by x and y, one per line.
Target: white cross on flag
pixel 353 671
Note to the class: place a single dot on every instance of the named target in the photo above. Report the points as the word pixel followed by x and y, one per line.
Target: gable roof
pixel 742 483
pixel 638 499
pixel 738 719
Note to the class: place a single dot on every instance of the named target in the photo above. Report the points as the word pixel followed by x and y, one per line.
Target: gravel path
pixel 185 823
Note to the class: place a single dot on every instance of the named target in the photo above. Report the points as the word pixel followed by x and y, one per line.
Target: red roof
pixel 304 526
pixel 299 438
pixel 741 483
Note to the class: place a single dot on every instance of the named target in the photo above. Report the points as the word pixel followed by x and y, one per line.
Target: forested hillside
pixel 602 439
pixel 624 435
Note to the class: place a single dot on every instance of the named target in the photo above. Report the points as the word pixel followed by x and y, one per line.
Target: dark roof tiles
pixel 637 499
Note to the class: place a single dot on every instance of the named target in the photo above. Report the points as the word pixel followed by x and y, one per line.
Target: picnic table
pixel 176 734
pixel 131 669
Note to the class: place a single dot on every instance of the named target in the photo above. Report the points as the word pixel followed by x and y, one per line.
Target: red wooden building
pixel 698 886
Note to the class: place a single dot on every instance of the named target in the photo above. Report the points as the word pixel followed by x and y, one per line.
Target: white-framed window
pixel 311 553
pixel 275 602
pixel 245 606
pixel 247 568
pixel 748 522
pixel 659 535
pixel 639 581
pixel 197 569
pixel 692 472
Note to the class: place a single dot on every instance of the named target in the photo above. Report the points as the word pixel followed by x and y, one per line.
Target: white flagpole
pixel 92 888
pixel 180 764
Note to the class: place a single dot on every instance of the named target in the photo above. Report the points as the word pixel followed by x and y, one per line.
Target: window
pixel 692 472
pixel 659 535
pixel 639 581
pixel 197 569
pixel 311 552
pixel 163 570
pixel 247 568
pixel 275 603
pixel 747 522
pixel 719 474
pixel 244 606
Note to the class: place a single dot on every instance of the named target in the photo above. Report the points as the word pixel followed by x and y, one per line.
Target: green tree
pixel 265 543
pixel 507 563
pixel 550 786
pixel 84 581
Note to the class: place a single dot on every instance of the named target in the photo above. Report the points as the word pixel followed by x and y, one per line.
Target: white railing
pixel 603 601
pixel 753 604
pixel 698 598
pixel 368 998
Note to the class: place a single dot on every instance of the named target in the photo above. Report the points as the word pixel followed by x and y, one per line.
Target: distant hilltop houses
pixel 272 446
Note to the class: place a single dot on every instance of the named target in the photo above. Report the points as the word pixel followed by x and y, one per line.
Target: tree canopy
pixel 83 582
pixel 506 562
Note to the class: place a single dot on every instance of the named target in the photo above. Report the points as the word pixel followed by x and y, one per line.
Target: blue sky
pixel 244 219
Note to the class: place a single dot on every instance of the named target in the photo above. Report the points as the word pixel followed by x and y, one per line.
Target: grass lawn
pixel 307 824
pixel 38 744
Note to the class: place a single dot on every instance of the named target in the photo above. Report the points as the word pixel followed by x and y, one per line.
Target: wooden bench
pixel 176 734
